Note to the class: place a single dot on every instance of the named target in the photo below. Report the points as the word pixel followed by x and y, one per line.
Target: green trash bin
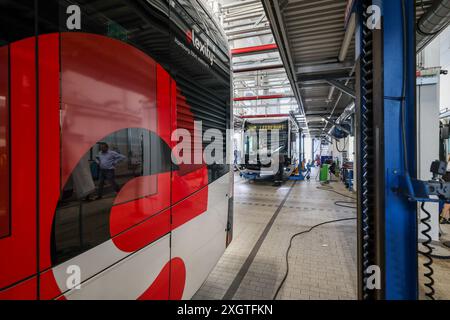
pixel 324 173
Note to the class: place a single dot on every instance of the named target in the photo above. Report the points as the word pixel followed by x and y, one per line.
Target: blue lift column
pixel 385 86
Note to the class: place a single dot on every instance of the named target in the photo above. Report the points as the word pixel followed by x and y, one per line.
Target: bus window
pixel 4 144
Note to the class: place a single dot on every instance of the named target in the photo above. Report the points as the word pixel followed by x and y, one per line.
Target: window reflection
pixel 83 213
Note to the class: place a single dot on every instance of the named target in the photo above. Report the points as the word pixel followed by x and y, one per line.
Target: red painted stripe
pixel 163 104
pixel 49 141
pixel 4 148
pixel 255 49
pixel 20 248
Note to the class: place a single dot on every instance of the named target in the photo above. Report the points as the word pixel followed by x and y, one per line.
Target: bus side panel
pixel 19 248
pixel 201 240
pixel 143 275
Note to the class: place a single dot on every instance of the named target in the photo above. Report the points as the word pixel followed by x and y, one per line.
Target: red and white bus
pixel 80 76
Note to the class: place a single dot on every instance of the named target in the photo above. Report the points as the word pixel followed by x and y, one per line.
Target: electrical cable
pixel 345 145
pixel 330 189
pixel 425 232
pixel 428 253
pixel 345 204
pixel 434 256
pixel 290 246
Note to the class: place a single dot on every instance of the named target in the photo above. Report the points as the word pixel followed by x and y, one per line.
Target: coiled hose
pixel 427 253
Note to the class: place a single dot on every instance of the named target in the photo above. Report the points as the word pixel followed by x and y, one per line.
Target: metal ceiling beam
pixel 273 12
pixel 336 125
pixel 324 77
pixel 267 97
pixel 280 115
pixel 259 68
pixel 247 30
pixel 250 35
pixel 342 87
pixel 239 4
pixel 326 67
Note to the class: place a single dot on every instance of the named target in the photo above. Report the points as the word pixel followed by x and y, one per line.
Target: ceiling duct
pixel 435 20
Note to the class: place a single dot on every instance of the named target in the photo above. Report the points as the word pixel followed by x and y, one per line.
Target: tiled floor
pixel 322 262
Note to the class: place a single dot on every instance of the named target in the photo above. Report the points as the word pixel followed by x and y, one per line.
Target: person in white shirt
pixel 107 161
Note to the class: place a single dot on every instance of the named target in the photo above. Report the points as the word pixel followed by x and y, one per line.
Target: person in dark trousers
pixel 107 161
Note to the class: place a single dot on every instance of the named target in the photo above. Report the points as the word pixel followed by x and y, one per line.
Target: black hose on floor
pixel 330 189
pixel 343 204
pixel 290 246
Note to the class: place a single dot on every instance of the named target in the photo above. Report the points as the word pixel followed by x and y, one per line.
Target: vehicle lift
pixel 388 191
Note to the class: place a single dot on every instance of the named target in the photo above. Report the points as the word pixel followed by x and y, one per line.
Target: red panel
pixel 159 289
pixel 173 110
pixel 26 290
pixel 48 287
pixel 163 101
pixel 107 85
pixel 190 177
pixel 184 186
pixel 190 208
pixel 4 143
pixel 19 250
pixel 128 214
pixel 144 233
pixel 49 141
pixel 177 279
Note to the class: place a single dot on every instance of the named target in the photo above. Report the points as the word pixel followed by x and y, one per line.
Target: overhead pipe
pixel 254 50
pixel 435 20
pixel 349 32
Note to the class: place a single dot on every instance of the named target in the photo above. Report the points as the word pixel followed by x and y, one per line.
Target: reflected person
pixel 107 160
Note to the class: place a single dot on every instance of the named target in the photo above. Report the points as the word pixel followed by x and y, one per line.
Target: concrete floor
pixel 322 262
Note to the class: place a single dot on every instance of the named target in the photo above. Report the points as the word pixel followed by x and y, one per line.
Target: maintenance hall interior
pixel 225 150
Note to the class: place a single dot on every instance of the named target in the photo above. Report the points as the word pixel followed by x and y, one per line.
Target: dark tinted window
pixel 142 24
pixel 16 20
pixel 4 143
pixel 204 84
